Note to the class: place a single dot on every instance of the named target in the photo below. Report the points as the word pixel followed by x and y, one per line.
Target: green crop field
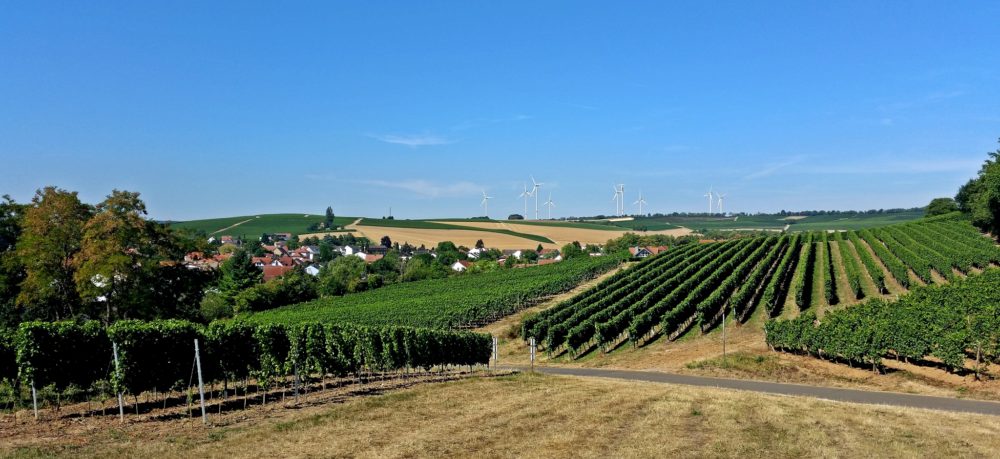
pixel 642 224
pixel 457 301
pixel 841 222
pixel 255 225
pixel 433 225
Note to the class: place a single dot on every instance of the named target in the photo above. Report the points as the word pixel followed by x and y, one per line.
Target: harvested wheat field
pixel 563 235
pixel 431 237
pixel 560 235
pixel 551 416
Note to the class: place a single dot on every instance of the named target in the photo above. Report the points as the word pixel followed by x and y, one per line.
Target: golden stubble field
pixel 560 235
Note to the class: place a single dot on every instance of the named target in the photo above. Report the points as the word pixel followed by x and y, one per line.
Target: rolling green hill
pixel 255 225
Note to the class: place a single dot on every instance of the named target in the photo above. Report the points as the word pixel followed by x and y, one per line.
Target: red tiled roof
pixel 274 272
pixel 369 258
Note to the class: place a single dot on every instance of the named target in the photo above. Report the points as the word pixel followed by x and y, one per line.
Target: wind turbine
pixel 486 204
pixel 618 198
pixel 550 205
pixel 525 194
pixel 709 195
pixel 534 191
pixel 720 196
pixel 641 202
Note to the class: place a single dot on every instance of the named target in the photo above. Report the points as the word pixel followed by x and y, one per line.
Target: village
pixel 279 253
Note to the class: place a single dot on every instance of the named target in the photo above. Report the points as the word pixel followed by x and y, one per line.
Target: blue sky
pixel 216 109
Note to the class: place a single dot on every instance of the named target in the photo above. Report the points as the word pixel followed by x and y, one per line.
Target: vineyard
pixel 133 357
pixel 695 285
pixel 950 323
pixel 359 334
pixel 456 302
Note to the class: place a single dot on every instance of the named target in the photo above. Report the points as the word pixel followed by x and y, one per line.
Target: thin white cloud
pixel 773 168
pixel 413 140
pixel 580 106
pixel 480 122
pixel 894 167
pixel 922 101
pixel 429 189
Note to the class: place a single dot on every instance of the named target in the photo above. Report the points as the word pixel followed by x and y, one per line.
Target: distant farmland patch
pixel 255 225
pixel 430 225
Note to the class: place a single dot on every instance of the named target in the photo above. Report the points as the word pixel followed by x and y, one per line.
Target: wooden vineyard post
pixel 531 344
pixel 496 353
pixel 201 384
pixel 121 401
pixel 296 367
pixel 34 398
pixel 723 336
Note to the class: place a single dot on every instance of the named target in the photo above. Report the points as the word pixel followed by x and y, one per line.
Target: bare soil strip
pixel 234 225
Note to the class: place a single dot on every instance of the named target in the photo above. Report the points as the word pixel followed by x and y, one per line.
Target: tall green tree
pixel 980 197
pixel 118 258
pixel 238 274
pixel 11 268
pixel 343 275
pixel 329 217
pixel 52 234
pixel 941 206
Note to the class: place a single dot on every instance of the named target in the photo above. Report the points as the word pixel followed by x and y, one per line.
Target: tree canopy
pixel 980 196
pixel 941 206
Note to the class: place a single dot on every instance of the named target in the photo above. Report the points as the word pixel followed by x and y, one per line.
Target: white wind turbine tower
pixel 709 195
pixel 486 204
pixel 525 194
pixel 618 198
pixel 534 191
pixel 641 202
pixel 621 192
pixel 550 205
pixel 720 196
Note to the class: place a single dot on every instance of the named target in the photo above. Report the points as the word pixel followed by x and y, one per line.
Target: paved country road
pixel 800 390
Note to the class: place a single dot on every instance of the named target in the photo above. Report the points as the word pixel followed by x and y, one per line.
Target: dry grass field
pixel 468 238
pixel 551 416
pixel 563 235
pixel 560 235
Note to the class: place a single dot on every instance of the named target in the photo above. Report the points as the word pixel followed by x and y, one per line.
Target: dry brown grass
pixel 549 416
pixel 563 235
